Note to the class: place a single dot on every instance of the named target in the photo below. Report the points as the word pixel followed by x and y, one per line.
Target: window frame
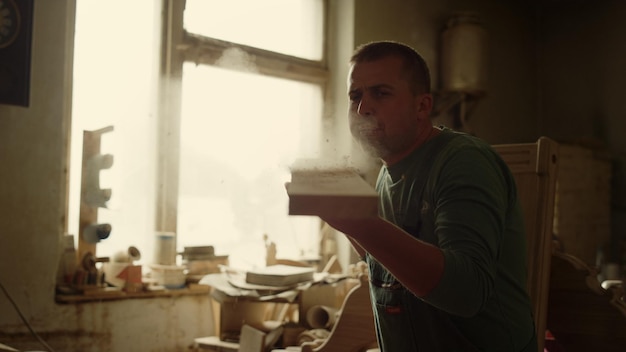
pixel 179 47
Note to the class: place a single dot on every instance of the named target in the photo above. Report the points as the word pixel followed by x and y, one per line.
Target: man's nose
pixel 365 107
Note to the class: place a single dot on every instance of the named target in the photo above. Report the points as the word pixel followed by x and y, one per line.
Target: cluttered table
pixel 281 310
pixel 233 285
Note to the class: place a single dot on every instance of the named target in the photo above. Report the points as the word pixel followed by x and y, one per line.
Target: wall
pixel 34 146
pixel 509 111
pixel 582 86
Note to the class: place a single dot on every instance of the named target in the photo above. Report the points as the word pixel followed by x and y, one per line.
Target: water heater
pixel 463 54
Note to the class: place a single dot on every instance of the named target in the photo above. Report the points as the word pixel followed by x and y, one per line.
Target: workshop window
pixel 203 147
pixel 115 83
pixel 244 119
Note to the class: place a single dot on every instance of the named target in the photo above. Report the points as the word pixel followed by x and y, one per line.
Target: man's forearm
pixel 416 264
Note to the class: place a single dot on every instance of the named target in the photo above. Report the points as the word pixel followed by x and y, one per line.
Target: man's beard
pixel 370 137
pixel 373 147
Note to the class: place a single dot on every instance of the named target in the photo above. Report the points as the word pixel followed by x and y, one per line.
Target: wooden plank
pixel 91 196
pixel 332 193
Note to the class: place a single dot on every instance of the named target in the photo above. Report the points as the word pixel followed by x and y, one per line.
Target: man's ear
pixel 424 104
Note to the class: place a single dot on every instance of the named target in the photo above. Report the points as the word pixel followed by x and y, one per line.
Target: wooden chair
pixel 534 166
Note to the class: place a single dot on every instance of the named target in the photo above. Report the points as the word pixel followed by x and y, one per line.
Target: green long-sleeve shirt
pixel 456 193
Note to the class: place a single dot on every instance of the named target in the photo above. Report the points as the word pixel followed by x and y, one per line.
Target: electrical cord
pixel 17 309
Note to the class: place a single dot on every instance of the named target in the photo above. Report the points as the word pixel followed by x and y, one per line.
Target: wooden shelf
pixel 111 294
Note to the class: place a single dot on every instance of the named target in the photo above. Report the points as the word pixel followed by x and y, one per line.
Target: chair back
pixel 535 166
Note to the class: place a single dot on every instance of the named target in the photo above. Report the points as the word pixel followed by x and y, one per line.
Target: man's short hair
pixel 415 66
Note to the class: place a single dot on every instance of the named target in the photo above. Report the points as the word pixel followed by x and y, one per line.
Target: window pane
pixel 292 27
pixel 113 87
pixel 239 133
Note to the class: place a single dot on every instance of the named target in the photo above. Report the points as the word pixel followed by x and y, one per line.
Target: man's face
pixel 384 113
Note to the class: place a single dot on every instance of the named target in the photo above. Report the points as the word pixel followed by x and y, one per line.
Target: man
pixel 447 254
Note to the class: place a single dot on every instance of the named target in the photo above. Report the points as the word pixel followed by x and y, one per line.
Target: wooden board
pixel 279 275
pixel 331 193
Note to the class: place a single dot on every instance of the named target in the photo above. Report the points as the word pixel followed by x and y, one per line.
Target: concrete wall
pixel 583 85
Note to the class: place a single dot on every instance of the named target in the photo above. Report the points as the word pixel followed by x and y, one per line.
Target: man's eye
pixel 381 93
pixel 355 97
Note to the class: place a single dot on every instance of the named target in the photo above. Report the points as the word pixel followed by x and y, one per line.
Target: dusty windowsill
pixel 111 294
